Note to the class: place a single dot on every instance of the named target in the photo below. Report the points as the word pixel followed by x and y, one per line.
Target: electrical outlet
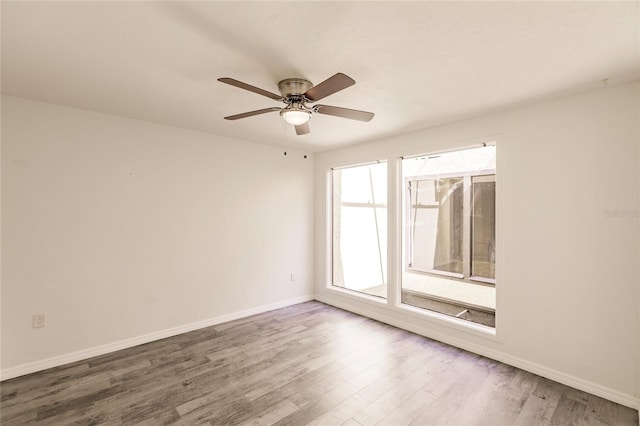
pixel 39 320
pixel 293 276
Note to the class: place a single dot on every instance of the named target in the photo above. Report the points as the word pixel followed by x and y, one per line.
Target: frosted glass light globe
pixel 295 116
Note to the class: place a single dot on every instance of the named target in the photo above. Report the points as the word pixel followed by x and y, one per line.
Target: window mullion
pixel 466 227
pixel 394 230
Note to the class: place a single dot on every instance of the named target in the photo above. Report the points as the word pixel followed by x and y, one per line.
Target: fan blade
pixel 251 113
pixel 250 88
pixel 303 129
pixel 329 87
pixel 352 114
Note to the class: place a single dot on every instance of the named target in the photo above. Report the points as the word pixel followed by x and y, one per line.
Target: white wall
pixel 567 274
pixel 120 229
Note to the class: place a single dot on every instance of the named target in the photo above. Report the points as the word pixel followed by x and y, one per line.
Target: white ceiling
pixel 416 64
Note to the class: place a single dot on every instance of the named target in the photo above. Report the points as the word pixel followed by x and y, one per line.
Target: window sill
pixel 450 322
pixel 411 314
pixel 435 272
pixel 357 294
pixel 483 280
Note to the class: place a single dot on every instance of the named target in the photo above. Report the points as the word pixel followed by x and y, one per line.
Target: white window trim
pixel 330 281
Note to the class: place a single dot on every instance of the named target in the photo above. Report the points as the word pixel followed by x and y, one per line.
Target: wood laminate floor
pixel 304 364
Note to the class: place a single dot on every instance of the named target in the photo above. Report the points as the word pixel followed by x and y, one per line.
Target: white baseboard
pixel 32 367
pixel 549 373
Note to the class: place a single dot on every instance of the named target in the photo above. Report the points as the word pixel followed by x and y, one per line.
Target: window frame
pixel 331 209
pixel 392 310
pixel 467 188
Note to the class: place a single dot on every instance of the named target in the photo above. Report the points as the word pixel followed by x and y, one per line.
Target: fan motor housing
pixel 294 86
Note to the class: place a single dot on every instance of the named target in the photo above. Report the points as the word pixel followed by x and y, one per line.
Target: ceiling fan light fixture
pixel 296 93
pixel 295 116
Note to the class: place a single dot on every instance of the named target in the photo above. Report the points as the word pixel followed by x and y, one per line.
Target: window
pixel 359 228
pixel 449 234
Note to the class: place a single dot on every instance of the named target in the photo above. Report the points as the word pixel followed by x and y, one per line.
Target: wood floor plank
pixel 165 417
pixel 627 416
pixel 408 361
pixel 304 364
pixel 447 374
pixel 272 414
pixel 539 407
pixel 30 384
pixel 600 410
pixel 318 405
pixel 568 411
pixel 341 412
pixel 408 410
pixel 439 412
pixel 375 411
pixel 449 407
pixel 506 401
pixel 57 398
pixel 278 395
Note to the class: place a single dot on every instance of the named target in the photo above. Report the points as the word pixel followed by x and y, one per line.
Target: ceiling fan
pixel 296 93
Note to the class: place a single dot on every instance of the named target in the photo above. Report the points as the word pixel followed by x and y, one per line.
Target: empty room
pixel 320 212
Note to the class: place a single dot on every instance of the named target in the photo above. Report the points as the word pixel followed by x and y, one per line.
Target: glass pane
pixel 436 211
pixel 483 236
pixel 363 184
pixel 449 234
pixel 360 229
